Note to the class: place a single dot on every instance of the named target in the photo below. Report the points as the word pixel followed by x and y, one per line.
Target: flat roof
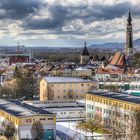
pixel 64 108
pixel 66 80
pixel 119 96
pixel 19 109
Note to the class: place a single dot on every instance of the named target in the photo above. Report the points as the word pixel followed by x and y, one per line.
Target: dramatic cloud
pixel 18 9
pixel 61 15
pixel 69 19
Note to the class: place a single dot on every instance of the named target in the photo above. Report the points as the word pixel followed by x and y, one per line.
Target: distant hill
pixel 108 47
pixel 115 45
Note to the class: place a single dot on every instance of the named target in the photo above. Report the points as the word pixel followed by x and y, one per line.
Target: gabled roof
pixel 109 71
pixel 118 59
pixel 96 58
pixel 103 58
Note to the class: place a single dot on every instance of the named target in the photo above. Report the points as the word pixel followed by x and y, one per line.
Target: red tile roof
pixel 118 59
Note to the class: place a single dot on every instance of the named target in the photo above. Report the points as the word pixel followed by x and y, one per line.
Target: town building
pixel 65 110
pixel 120 86
pixel 85 56
pixel 23 116
pixel 20 55
pixel 82 72
pixel 129 50
pixel 60 88
pixel 118 59
pixel 115 110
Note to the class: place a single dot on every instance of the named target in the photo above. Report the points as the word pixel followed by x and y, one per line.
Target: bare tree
pixel 9 130
pixel 37 130
pixel 116 122
pixel 92 125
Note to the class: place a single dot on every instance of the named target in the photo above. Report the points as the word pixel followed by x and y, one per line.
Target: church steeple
pixel 129 19
pixel 129 39
pixel 85 50
pixel 85 55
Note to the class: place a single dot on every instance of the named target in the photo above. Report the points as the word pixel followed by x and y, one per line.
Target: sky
pixel 66 23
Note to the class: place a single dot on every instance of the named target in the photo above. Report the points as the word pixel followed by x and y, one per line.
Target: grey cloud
pixel 18 9
pixel 61 15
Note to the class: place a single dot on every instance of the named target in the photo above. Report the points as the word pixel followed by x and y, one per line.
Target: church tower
pixel 84 56
pixel 129 40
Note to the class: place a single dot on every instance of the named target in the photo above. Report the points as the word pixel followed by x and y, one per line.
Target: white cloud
pixel 87 26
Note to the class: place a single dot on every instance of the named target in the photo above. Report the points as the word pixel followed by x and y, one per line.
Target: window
pixel 43 119
pixel 110 103
pixel 82 85
pixel 50 129
pixel 100 100
pixel 106 102
pixel 50 118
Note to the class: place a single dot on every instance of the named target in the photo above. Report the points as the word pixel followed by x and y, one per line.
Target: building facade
pixel 64 88
pixel 23 116
pixel 116 110
pixel 85 56
pixel 65 110
pixel 129 41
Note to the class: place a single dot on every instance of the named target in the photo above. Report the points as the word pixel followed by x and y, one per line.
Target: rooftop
pixel 66 80
pixel 119 96
pixel 19 109
pixel 65 108
pixel 85 50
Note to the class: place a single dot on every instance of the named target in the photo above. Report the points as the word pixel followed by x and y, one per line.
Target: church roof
pixel 118 59
pixel 129 19
pixel 85 51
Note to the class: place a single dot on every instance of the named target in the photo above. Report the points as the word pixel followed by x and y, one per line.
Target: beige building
pixel 82 72
pixel 58 88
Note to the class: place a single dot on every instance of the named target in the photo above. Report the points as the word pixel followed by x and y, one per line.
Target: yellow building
pixel 23 116
pixel 62 88
pixel 3 138
pixel 114 109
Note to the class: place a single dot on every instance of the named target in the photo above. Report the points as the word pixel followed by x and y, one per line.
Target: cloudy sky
pixel 66 22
